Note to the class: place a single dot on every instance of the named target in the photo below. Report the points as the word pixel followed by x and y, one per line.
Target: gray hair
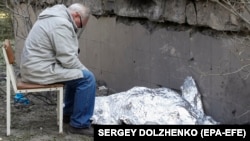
pixel 83 10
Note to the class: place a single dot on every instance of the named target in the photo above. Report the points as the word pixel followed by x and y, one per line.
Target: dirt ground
pixel 34 122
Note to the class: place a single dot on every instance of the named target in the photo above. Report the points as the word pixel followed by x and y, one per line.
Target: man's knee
pixel 88 75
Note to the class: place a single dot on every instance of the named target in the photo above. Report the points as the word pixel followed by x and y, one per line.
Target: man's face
pixel 82 21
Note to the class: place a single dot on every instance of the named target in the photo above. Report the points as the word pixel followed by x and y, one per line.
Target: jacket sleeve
pixel 65 44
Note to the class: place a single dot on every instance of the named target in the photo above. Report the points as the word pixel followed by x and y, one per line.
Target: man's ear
pixel 74 14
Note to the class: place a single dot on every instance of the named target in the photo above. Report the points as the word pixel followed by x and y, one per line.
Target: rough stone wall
pixel 157 43
pixel 196 13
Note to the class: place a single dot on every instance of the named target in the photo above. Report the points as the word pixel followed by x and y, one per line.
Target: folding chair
pixel 21 87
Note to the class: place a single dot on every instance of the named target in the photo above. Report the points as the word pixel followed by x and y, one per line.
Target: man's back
pixel 50 54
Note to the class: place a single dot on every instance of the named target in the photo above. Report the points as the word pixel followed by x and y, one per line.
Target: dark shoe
pixel 66 119
pixel 82 131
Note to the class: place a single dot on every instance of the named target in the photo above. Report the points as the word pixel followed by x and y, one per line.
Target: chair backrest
pixel 9 58
pixel 9 51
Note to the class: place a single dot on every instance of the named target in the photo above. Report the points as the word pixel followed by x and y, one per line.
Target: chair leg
pixel 60 109
pixel 8 108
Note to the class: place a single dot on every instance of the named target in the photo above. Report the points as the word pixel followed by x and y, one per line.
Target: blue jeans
pixel 79 100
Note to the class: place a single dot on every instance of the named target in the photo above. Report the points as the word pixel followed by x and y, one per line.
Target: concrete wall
pixel 127 55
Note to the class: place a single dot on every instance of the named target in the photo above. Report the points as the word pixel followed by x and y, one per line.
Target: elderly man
pixel 50 55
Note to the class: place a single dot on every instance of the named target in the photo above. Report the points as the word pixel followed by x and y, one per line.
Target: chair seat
pixel 23 85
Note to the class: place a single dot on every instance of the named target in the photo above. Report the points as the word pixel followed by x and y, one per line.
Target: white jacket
pixel 50 53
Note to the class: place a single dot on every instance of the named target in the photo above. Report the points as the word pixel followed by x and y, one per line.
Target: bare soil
pixel 34 122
